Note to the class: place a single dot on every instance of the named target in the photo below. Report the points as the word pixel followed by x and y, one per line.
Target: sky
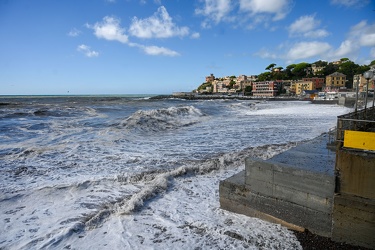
pixel 78 47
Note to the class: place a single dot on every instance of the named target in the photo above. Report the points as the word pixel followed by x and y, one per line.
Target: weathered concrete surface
pixel 234 197
pixel 354 202
pixel 312 155
pixel 295 188
pixel 356 171
pixel 354 220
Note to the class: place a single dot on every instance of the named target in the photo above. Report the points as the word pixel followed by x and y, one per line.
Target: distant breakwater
pixel 223 97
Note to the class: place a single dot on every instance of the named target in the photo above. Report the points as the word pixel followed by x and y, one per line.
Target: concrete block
pixel 356 172
pixel 240 198
pixel 257 169
pixel 303 198
pixel 354 220
pixel 313 183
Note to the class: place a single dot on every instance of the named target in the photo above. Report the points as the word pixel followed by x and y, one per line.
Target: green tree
pixel 330 68
pixel 266 76
pixel 204 85
pixel 248 90
pixel 320 63
pixel 345 59
pixel 300 70
pixel 271 67
pixel 349 69
pixel 231 83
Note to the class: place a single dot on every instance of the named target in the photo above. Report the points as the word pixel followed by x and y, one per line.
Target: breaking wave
pixel 162 119
pixel 156 182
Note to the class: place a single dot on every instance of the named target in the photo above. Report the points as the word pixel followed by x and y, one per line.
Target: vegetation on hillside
pixel 304 70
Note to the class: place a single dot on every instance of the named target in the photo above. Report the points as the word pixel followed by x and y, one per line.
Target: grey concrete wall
pixel 298 196
pixel 279 193
pixel 354 202
pixel 354 220
pixel 356 172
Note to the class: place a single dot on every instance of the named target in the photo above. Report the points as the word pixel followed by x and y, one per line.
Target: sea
pixel 137 172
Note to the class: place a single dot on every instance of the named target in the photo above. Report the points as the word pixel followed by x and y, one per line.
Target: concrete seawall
pixel 295 188
pixel 330 193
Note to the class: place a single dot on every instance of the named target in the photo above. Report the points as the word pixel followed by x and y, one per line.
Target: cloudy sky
pixel 165 46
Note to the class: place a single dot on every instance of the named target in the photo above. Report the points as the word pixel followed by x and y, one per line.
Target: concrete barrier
pixel 354 202
pixel 354 220
pixel 278 193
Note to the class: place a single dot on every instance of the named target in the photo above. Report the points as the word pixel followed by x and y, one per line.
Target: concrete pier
pixel 294 188
pixel 329 192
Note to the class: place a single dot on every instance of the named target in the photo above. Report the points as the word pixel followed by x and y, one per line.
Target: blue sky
pixel 164 46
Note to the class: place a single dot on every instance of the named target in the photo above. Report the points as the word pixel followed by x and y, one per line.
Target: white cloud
pixel 263 53
pixel 307 26
pixel 364 33
pixel 160 25
pixel 87 51
pixel 156 51
pixel 278 8
pixel 305 50
pixel 346 48
pixel 350 3
pixel 214 10
pixel 360 35
pixel 74 32
pixel 195 35
pixel 109 29
pixel 246 13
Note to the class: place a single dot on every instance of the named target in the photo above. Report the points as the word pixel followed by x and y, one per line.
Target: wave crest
pixel 162 119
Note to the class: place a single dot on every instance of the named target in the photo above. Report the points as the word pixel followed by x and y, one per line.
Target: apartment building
pixel 266 88
pixel 318 82
pixel 303 86
pixel 335 80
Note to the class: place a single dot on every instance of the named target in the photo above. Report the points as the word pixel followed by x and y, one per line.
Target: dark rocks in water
pixel 21 170
pixel 41 113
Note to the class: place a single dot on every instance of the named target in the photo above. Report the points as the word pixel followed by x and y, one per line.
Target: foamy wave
pixel 158 182
pixel 162 119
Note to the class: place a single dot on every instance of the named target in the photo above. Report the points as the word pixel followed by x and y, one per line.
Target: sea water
pixel 132 172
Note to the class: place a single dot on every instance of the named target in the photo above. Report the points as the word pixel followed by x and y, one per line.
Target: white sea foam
pixel 162 119
pixel 80 182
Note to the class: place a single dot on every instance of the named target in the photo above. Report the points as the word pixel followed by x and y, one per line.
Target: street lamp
pixel 368 75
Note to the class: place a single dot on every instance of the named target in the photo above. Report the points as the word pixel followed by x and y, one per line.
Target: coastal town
pixel 317 81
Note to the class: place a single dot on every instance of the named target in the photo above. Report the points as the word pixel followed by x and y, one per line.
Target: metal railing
pixel 363 120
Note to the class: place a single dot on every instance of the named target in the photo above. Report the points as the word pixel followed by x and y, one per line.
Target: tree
pixel 330 68
pixel 345 59
pixel 264 76
pixel 271 66
pixel 320 63
pixel 248 90
pixel 349 69
pixel 231 83
pixel 300 70
pixel 204 85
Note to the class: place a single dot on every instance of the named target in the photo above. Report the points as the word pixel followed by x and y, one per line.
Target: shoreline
pixel 240 97
pixel 225 97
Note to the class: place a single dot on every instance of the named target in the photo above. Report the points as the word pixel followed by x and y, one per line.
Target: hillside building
pixel 303 86
pixel 318 82
pixel 335 81
pixel 266 88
